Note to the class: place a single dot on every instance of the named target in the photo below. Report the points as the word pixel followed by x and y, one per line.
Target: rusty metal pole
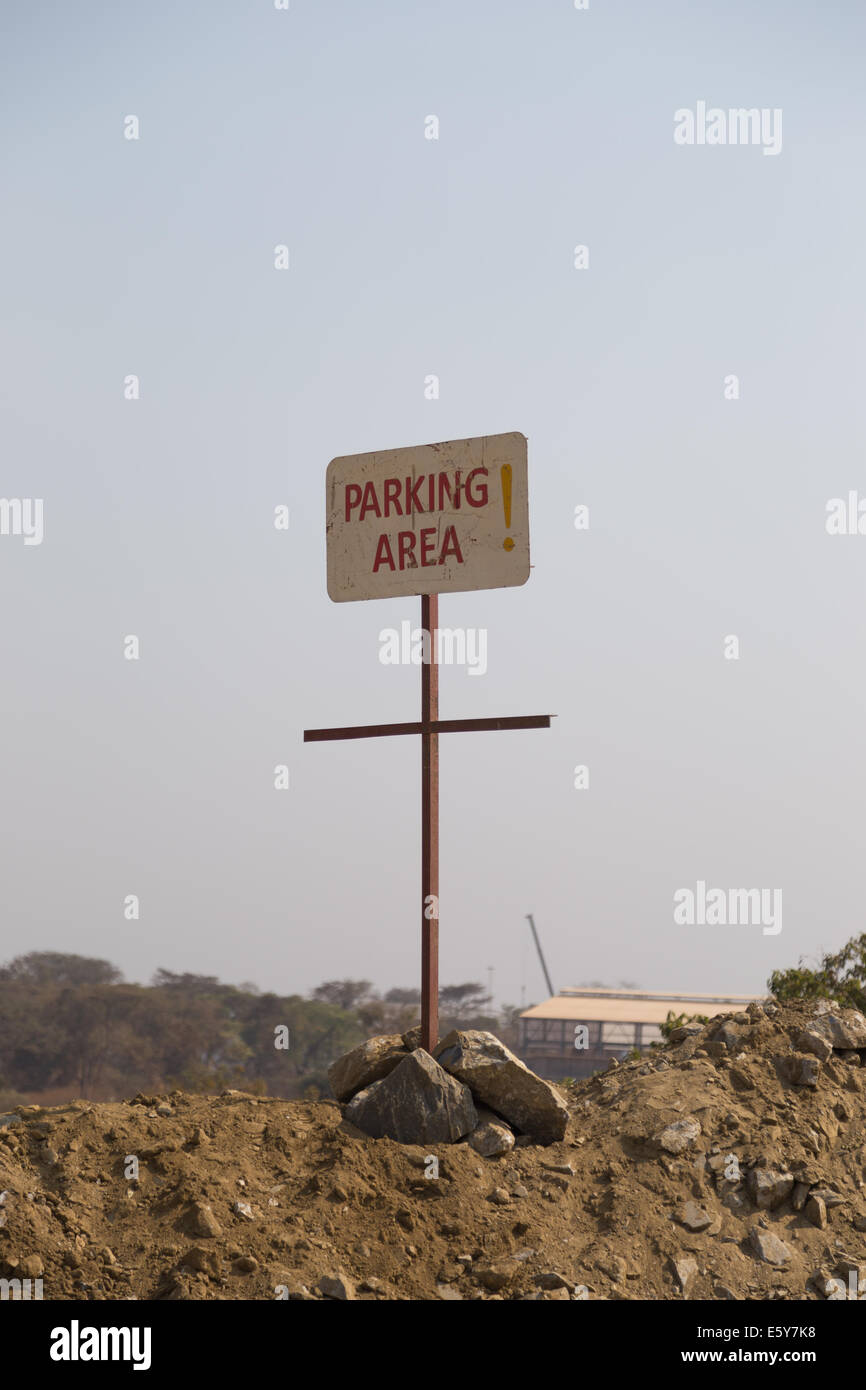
pixel 430 832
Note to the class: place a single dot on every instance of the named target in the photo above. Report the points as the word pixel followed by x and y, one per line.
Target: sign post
pixel 439 518
pixel 430 829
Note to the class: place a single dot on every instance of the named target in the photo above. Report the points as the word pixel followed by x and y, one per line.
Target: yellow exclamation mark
pixel 505 475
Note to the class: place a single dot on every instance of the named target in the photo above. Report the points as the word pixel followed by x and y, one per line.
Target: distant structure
pixel 616 1020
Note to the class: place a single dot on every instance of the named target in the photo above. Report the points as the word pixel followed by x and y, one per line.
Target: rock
pixel 832 1289
pixel 245 1264
pixel 370 1062
pixel 243 1209
pixel 201 1221
pixel 809 1041
pixel 767 1188
pixel 549 1279
pixel 688 1030
pixel 201 1260
pixel 495 1277
pixel 844 1029
pixel 800 1070
pixel 679 1136
pixel 491 1136
pixel 491 1141
pixel 337 1286
pixel 416 1103
pixel 816 1212
pixel 412 1039
pixel 741 1080
pixel 769 1247
pixel 827 1124
pixel 447 1294
pixel 500 1196
pixel 828 1197
pixel 799 1195
pixel 499 1079
pixel 852 1265
pixel 164 1109
pixel 615 1267
pixel 685 1270
pixel 694 1218
pixel 30 1267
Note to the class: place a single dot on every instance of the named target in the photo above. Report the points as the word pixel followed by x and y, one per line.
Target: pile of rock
pixel 472 1088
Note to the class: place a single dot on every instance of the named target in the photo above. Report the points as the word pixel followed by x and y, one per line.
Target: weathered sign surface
pixel 433 519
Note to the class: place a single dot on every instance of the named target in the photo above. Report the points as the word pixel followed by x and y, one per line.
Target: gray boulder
pixel 845 1028
pixel 370 1062
pixel 810 1041
pixel 800 1070
pixel 416 1103
pixel 491 1136
pixel 499 1079
pixel 769 1247
pixel 768 1188
pixel 679 1136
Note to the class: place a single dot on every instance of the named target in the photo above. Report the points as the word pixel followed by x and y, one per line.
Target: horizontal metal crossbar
pixel 436 726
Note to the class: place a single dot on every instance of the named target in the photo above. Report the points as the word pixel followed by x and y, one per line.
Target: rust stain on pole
pixel 429 830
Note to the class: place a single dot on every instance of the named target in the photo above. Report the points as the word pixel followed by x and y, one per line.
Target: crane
pixel 540 953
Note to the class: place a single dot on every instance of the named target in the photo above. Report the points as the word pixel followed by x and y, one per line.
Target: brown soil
pixel 325 1202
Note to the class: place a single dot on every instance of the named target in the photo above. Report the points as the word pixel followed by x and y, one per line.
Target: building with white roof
pixel 577 1031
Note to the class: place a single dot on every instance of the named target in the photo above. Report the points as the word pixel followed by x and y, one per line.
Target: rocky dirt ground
pixel 729 1165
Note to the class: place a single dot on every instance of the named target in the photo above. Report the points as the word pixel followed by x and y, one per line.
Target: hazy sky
pixel 410 257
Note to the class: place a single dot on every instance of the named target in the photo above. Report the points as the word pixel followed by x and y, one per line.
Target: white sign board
pixel 434 519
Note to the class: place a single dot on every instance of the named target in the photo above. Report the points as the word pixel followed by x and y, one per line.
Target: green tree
pixel 839 975
pixel 345 994
pixel 55 968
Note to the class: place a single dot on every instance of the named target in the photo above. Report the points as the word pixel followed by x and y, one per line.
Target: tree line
pixel 72 1026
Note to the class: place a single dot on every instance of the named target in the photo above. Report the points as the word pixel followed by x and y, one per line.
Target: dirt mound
pixel 729 1165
